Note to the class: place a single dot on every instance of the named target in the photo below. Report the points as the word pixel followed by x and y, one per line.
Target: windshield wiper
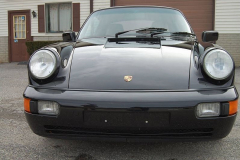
pixel 174 33
pixel 183 33
pixel 154 30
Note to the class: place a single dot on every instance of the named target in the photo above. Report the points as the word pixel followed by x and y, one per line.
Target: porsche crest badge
pixel 127 78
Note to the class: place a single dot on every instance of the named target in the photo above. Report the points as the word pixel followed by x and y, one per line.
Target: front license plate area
pixel 126 119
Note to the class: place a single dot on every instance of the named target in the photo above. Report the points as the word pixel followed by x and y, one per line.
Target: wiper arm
pixel 142 30
pixel 119 33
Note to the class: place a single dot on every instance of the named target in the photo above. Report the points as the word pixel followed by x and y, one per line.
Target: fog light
pixel 208 110
pixel 48 107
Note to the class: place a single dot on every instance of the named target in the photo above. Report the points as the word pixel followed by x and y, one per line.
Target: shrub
pixel 32 46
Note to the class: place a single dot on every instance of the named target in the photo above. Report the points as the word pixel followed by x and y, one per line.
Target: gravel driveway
pixel 18 142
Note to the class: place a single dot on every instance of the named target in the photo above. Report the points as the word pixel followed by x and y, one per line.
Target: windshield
pixel 106 23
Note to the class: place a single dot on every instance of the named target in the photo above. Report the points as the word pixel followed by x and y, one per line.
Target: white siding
pixel 6 5
pixel 100 4
pixel 227 16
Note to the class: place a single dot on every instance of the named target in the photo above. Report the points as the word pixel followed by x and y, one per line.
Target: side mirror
pixel 208 36
pixel 69 36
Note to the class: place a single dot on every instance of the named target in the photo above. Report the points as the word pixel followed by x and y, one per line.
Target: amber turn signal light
pixel 233 106
pixel 27 104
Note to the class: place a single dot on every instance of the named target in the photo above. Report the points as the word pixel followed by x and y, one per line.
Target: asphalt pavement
pixel 18 142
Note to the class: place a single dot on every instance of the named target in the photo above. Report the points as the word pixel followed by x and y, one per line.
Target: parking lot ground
pixel 18 142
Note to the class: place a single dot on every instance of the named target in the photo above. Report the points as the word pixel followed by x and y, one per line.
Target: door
pixel 19 33
pixel 200 14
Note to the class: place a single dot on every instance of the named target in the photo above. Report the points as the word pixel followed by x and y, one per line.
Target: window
pixel 91 30
pixel 58 17
pixel 19 27
pixel 106 23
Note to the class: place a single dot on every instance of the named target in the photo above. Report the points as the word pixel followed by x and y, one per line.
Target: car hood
pixel 95 67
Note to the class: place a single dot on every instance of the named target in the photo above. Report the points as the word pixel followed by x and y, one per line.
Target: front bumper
pixel 130 116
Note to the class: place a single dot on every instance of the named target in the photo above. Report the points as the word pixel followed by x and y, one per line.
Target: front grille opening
pixel 78 131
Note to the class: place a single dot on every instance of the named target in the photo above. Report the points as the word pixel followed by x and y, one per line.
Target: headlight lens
pixel 42 64
pixel 218 64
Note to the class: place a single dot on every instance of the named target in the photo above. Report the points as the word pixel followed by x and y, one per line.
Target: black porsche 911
pixel 132 73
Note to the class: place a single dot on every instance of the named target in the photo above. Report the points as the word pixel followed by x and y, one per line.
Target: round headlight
pixel 42 64
pixel 218 64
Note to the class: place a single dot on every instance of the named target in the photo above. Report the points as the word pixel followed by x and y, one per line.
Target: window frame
pixel 47 13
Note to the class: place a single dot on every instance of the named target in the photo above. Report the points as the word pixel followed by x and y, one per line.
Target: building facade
pixel 45 20
pixel 227 23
